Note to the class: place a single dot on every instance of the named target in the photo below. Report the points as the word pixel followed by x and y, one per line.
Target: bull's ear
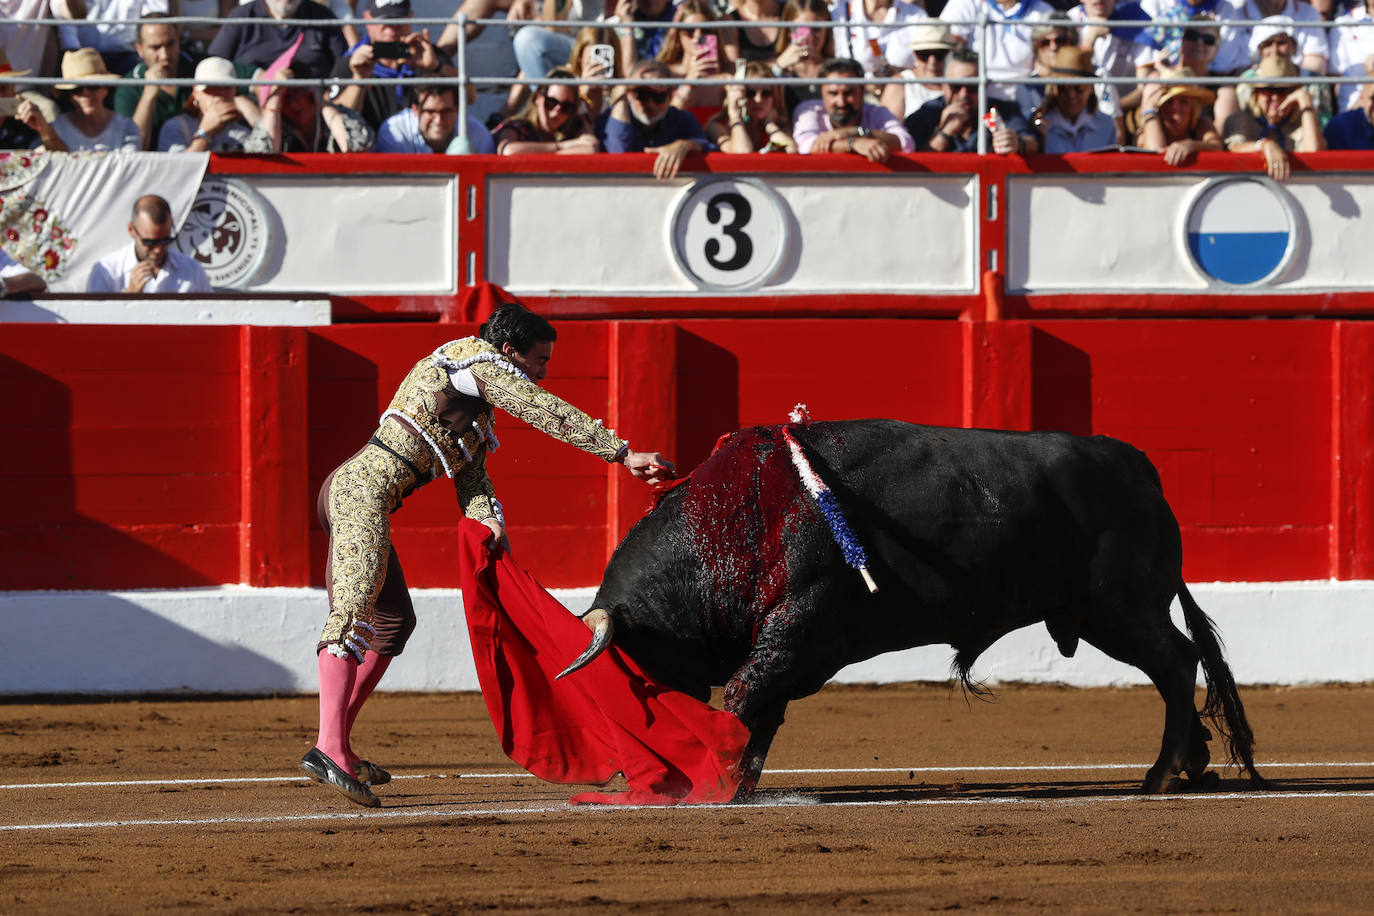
pixel 599 622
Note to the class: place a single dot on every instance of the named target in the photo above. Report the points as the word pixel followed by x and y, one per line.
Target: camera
pixel 390 50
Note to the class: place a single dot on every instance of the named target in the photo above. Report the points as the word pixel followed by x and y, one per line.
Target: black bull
pixel 734 577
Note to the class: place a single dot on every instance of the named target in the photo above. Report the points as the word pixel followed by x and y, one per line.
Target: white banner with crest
pixel 62 212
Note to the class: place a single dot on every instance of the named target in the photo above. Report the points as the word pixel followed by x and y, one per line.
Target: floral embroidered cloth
pixel 62 212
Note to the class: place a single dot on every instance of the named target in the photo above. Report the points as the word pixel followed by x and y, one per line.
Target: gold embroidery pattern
pixel 416 399
pixel 476 495
pixel 547 412
pixel 364 492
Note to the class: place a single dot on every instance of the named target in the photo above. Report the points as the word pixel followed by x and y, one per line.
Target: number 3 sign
pixel 729 233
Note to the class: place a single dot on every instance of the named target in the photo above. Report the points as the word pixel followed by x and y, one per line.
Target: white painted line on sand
pixel 790 801
pixel 1019 768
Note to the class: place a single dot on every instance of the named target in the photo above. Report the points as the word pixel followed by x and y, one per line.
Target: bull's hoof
pixel 1161 783
pixel 1207 782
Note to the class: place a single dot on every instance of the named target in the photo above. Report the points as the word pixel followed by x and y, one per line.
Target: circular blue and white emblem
pixel 1241 230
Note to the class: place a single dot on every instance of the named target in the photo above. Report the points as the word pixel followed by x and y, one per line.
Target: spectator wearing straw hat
pixel 215 120
pixel 1047 38
pixel 1354 129
pixel 950 124
pixel 106 28
pixel 90 125
pixel 1276 37
pixel 930 45
pixel 421 59
pixel 1173 119
pixel 1069 120
pixel 14 132
pixel 1280 118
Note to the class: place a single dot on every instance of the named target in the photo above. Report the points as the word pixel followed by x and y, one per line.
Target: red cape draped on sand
pixel 609 717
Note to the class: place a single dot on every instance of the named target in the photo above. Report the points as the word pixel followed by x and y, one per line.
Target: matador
pixel 439 424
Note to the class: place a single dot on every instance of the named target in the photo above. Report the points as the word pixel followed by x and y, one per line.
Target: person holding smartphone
pixel 389 50
pixel 698 54
pixel 802 48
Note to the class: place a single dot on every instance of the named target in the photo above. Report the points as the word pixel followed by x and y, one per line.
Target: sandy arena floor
pixel 901 798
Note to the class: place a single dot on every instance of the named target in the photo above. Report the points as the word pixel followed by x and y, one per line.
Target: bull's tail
pixel 1223 706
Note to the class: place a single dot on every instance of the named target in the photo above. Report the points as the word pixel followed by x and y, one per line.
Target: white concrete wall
pixel 244 640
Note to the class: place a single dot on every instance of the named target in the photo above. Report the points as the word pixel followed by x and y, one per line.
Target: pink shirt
pixel 811 121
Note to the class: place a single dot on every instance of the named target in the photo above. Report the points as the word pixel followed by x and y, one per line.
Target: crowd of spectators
pixel 699 103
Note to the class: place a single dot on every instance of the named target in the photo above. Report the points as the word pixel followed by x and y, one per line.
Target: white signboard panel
pixel 1189 233
pixel 359 234
pixel 618 235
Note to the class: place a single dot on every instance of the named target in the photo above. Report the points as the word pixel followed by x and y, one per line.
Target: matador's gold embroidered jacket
pixel 457 427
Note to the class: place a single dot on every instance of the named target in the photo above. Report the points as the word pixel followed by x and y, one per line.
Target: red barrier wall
pixel 164 457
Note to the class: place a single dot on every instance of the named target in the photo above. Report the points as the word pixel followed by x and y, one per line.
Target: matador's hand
pixel 501 542
pixel 650 467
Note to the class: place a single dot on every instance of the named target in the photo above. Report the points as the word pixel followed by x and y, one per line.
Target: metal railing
pixel 984 24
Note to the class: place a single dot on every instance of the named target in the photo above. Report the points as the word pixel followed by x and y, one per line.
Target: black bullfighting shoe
pixel 371 774
pixel 326 772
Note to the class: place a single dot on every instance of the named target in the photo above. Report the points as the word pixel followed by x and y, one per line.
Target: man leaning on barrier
pixel 950 124
pixel 641 120
pixel 840 121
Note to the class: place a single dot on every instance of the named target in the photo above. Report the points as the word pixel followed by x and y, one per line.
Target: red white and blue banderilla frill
pixel 849 545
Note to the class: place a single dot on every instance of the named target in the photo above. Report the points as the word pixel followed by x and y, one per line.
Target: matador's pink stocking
pixel 338 681
pixel 365 681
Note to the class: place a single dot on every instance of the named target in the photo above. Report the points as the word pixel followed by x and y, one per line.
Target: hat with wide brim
pixel 931 38
pixel 83 63
pixel 1071 61
pixel 1196 93
pixel 1275 68
pixel 8 72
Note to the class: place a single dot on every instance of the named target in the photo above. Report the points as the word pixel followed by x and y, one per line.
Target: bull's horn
pixel 599 622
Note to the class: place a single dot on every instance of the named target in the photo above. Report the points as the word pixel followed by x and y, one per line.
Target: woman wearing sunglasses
pixel 1047 39
pixel 1069 122
pixel 550 122
pixel 754 119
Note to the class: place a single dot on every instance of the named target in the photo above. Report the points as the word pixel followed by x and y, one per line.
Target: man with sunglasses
pixel 642 120
pixel 150 265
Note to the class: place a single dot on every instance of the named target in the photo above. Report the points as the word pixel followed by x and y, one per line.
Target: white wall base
pixel 246 640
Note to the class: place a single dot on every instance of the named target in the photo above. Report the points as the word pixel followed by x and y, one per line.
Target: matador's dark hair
pixel 518 326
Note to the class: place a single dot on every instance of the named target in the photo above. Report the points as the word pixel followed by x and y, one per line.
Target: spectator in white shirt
pixel 107 29
pixel 16 279
pixel 879 51
pixel 90 125
pixel 1009 51
pixel 1352 52
pixel 150 264
pixel 430 125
